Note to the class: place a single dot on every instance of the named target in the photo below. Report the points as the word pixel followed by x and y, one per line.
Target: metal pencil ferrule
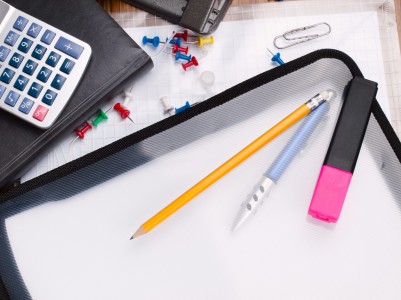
pixel 318 99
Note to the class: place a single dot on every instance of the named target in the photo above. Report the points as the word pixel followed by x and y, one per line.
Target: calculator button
pixel 12 98
pixel 53 59
pixel 30 67
pixel 2 90
pixel 67 66
pixel 35 90
pixel 25 45
pixel 40 113
pixel 44 74
pixel 26 106
pixel 21 83
pixel 69 48
pixel 16 60
pixel 11 38
pixel 58 82
pixel 49 97
pixel 7 75
pixel 39 52
pixel 34 30
pixel 4 52
pixel 48 37
pixel 20 23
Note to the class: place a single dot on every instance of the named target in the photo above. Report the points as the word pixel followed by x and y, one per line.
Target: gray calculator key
pixel 70 48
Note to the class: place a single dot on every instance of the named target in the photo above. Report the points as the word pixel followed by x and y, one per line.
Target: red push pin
pixel 192 62
pixel 81 132
pixel 177 48
pixel 183 35
pixel 124 113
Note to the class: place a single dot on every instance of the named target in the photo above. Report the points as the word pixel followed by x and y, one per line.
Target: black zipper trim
pixel 215 101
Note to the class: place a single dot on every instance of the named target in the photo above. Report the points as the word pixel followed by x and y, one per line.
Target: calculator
pixel 40 67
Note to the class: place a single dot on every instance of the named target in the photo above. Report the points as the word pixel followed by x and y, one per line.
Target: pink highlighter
pixel 339 164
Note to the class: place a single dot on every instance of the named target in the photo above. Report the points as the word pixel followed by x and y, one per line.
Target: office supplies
pixel 269 179
pixel 276 57
pixel 342 155
pixel 81 211
pixel 361 17
pixel 32 45
pixel 124 112
pixel 233 162
pixel 192 62
pixel 168 108
pixel 290 37
pixel 199 16
pixel 109 71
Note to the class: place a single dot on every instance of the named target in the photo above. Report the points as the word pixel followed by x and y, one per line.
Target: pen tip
pixel 139 232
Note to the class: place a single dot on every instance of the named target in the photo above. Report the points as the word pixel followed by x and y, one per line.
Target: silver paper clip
pixel 288 36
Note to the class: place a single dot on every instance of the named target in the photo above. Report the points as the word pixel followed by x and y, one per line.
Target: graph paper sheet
pixel 238 53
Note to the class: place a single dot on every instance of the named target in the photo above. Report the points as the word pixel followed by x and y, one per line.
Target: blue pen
pixel 273 174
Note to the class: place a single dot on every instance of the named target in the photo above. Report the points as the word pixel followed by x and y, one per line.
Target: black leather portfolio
pixel 116 62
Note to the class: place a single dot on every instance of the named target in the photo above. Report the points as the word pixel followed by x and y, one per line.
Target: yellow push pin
pixel 205 40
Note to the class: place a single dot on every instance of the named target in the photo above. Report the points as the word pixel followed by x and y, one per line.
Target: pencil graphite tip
pixel 139 232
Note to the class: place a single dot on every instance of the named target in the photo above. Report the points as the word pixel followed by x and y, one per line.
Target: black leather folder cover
pixel 116 61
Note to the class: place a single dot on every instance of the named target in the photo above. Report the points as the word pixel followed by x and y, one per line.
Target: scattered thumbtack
pixel 168 108
pixel 124 112
pixel 174 42
pixel 100 118
pixel 276 57
pixel 182 56
pixel 192 62
pixel 81 132
pixel 182 108
pixel 127 98
pixel 154 41
pixel 183 35
pixel 177 48
pixel 205 40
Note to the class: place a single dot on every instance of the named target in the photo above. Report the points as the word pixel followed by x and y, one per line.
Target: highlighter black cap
pixel 339 164
pixel 351 124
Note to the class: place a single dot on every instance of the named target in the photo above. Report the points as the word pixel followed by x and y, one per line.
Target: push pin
pixel 205 40
pixel 124 113
pixel 192 62
pixel 101 117
pixel 81 132
pixel 174 42
pixel 177 48
pixel 127 98
pixel 276 57
pixel 154 41
pixel 168 108
pixel 182 56
pixel 184 35
pixel 185 107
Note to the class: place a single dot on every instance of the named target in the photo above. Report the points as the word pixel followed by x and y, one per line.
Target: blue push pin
pixel 182 56
pixel 155 41
pixel 276 57
pixel 176 41
pixel 181 109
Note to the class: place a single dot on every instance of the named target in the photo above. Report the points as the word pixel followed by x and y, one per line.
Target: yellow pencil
pixel 234 161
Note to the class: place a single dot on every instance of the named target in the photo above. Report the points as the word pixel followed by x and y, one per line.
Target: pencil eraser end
pixel 329 195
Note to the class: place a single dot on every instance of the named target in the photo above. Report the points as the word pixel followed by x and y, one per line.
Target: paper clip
pixel 289 35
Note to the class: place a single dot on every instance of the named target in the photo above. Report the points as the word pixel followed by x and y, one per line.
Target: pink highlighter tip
pixel 329 195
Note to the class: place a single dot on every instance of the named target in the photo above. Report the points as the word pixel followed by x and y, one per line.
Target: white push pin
pixel 207 78
pixel 127 98
pixel 168 108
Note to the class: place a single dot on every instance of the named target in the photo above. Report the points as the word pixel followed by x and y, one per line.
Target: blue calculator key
pixel 21 83
pixel 20 23
pixel 67 66
pixel 69 48
pixel 58 82
pixel 12 98
pixel 26 105
pixel 11 38
pixel 49 97
pixel 25 45
pixel 35 90
pixel 53 59
pixel 7 75
pixel 2 90
pixel 4 52
pixel 48 37
pixel 34 30
pixel 44 74
pixel 16 60
pixel 39 52
pixel 30 67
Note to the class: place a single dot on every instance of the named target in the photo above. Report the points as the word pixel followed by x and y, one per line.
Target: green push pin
pixel 101 117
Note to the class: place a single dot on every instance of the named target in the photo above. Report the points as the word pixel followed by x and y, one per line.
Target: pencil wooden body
pixel 226 167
